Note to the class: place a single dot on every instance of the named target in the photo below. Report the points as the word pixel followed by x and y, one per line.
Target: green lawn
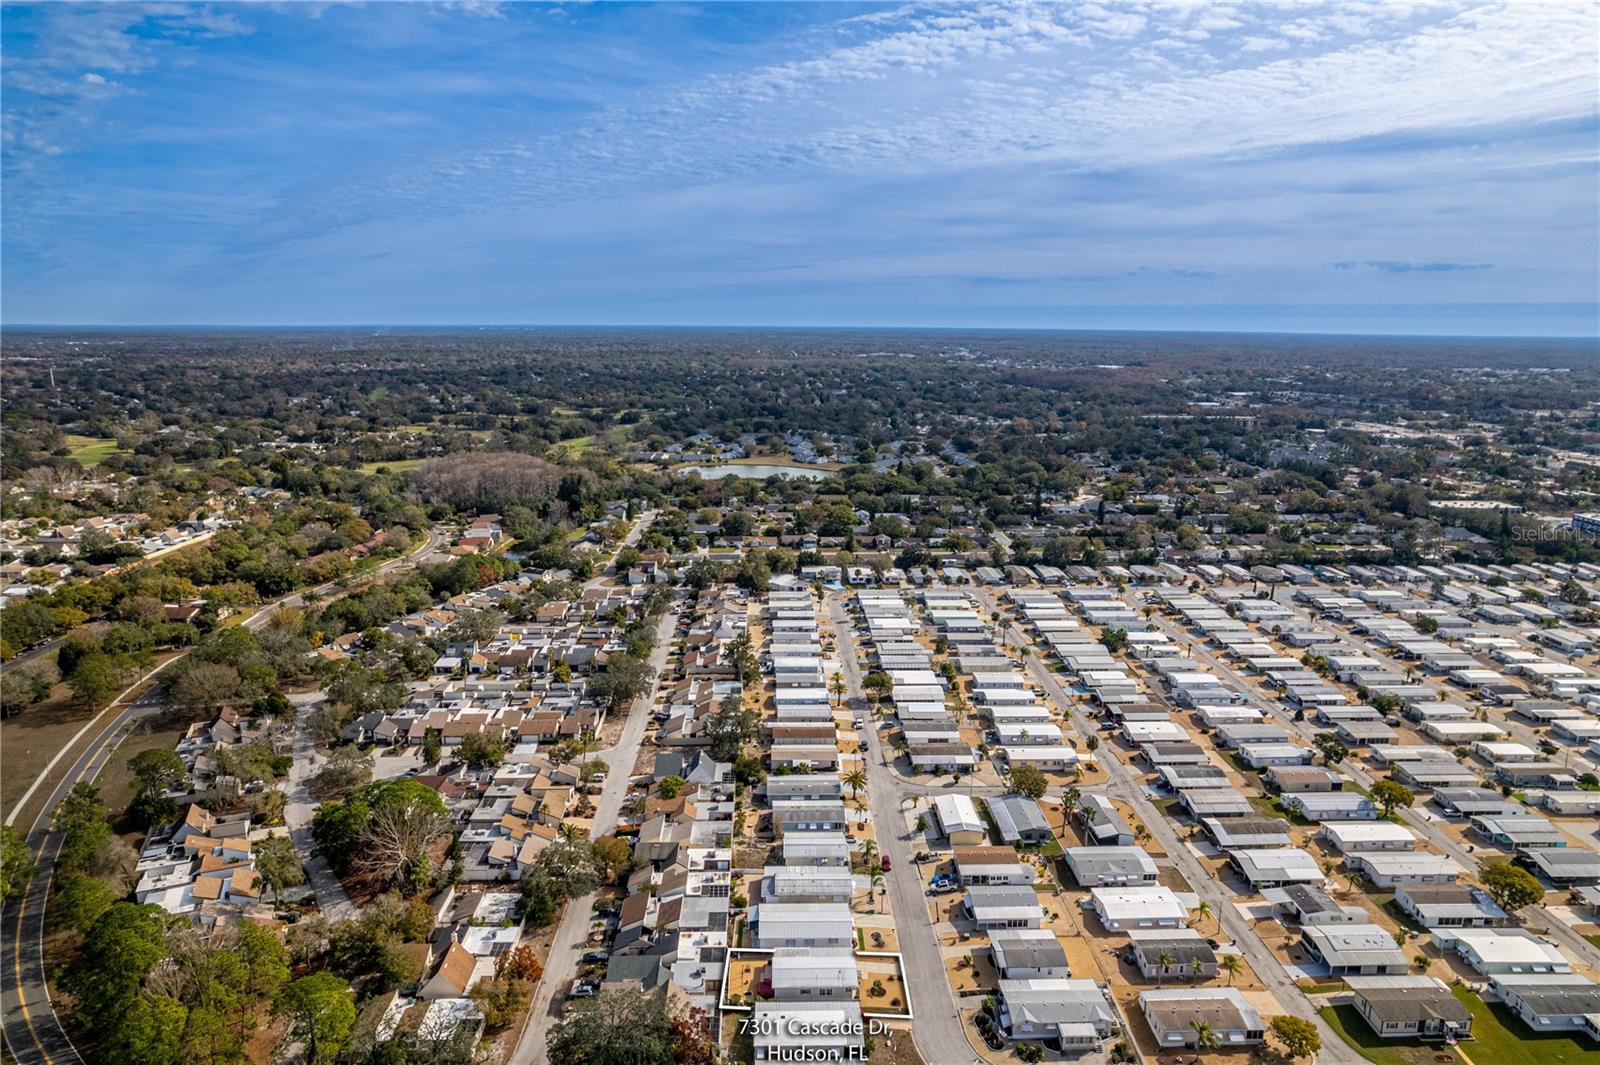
pixel 1270 807
pixel 92 450
pixel 392 465
pixel 995 839
pixel 1499 1037
pixel 1328 987
pixel 1354 1031
pixel 577 445
pixel 1044 850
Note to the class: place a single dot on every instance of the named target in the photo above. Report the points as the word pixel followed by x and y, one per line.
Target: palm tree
pixel 856 779
pixel 1070 797
pixel 837 684
pixel 1231 965
pixel 1204 1037
pixel 585 743
pixel 877 887
pixel 1203 910
pixel 1165 960
pixel 869 851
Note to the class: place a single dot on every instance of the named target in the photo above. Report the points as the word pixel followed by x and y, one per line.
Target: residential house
pixel 993 907
pixel 1173 1013
pixel 1110 866
pixel 1497 951
pixel 1125 908
pixel 1027 954
pixel 1355 950
pixel 1409 1007
pixel 1073 1015
pixel 1449 906
pixel 1179 953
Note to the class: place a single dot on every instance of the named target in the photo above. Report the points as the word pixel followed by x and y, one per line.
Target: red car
pixel 887 864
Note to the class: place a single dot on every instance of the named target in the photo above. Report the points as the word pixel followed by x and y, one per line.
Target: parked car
pixel 587 988
pixel 595 956
pixel 887 864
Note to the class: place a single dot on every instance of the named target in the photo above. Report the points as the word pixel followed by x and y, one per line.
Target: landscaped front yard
pixel 1498 1038
pixel 1354 1031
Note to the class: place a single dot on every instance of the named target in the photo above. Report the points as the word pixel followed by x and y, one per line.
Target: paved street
pixel 299 810
pixel 937 1029
pixel 561 966
pixel 1419 818
pixel 33 1032
pixel 1126 787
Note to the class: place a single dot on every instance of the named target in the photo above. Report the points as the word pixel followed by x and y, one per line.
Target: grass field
pixel 1499 1036
pixel 30 739
pixel 92 450
pixel 577 445
pixel 393 466
pixel 115 781
pixel 580 444
pixel 1354 1031
pixel 784 460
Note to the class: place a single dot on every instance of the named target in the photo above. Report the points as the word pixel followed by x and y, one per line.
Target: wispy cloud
pixel 973 152
pixel 1406 266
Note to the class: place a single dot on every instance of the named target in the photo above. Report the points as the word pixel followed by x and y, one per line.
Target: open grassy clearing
pixel 92 450
pixel 392 465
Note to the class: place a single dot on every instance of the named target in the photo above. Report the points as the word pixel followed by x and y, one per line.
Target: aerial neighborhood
pixel 831 743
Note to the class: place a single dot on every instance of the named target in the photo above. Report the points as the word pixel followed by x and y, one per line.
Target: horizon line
pixel 54 327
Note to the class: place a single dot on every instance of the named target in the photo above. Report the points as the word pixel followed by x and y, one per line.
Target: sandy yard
pixel 970 970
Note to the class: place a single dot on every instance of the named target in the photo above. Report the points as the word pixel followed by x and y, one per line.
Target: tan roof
pixel 986 856
pixel 634 908
pixel 531 846
pixel 208 887
pixel 457 967
pixel 1220 1014
pixel 212 863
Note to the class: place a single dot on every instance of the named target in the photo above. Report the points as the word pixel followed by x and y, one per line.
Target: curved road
pixel 33 1032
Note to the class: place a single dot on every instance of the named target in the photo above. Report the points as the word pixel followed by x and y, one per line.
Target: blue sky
pixel 1355 167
